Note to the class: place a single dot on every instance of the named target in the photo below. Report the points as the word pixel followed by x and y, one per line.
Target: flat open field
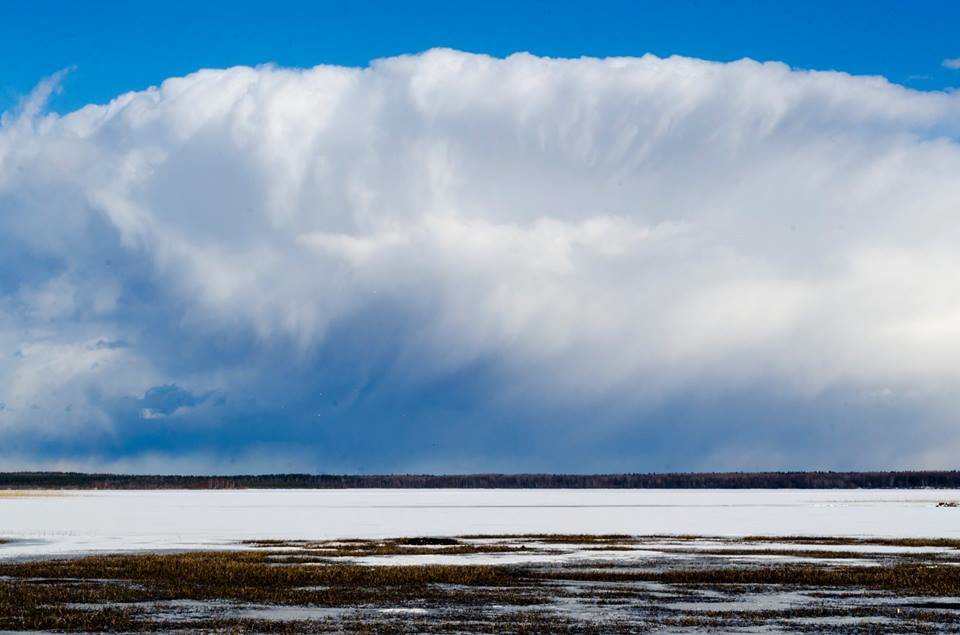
pixel 79 522
pixel 481 561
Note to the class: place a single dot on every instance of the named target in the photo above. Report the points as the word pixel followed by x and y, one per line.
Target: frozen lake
pixel 85 521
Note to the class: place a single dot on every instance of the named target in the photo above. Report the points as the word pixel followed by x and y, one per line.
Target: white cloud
pixel 952 63
pixel 621 229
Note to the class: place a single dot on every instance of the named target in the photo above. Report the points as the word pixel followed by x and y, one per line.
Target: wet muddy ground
pixel 498 584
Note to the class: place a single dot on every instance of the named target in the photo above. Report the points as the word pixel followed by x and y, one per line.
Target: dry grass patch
pixel 572 539
pixel 942 543
pixel 903 579
pixel 304 550
pixel 28 493
pixel 51 595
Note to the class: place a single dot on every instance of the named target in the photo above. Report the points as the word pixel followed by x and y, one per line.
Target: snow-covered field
pixel 79 522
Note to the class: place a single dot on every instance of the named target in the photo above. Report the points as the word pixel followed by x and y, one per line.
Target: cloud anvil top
pixel 448 259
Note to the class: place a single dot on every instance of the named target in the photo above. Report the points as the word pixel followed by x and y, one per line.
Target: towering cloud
pixel 493 260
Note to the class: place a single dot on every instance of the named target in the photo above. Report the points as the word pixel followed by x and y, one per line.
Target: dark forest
pixel 712 480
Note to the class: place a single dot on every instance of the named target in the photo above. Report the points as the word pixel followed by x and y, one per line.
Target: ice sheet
pixel 94 521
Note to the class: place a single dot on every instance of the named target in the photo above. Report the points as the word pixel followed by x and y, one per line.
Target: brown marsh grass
pixel 134 592
pixel 29 493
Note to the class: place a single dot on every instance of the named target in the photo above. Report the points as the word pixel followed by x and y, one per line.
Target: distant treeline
pixel 714 480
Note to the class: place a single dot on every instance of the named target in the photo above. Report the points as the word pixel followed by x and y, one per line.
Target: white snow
pixel 81 522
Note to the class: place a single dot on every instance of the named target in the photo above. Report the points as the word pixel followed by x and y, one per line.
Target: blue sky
pixel 119 46
pixel 459 247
